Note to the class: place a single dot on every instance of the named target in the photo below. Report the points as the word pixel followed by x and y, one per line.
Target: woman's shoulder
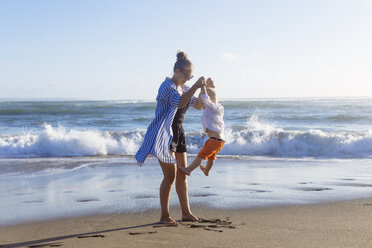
pixel 167 83
pixel 167 89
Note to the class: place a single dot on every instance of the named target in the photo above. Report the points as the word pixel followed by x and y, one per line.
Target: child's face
pixel 210 83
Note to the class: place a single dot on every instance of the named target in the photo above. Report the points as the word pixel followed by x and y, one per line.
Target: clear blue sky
pixel 124 49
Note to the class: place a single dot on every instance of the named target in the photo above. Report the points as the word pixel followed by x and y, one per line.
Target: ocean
pixel 285 128
pixel 71 158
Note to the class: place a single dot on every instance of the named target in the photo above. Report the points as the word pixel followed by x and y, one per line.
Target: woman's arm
pixel 203 90
pixel 186 97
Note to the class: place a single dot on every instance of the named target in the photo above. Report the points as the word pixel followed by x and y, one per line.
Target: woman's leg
pixel 181 188
pixel 169 172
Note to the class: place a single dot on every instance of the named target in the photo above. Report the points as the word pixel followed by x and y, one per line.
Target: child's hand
pixel 210 83
pixel 201 82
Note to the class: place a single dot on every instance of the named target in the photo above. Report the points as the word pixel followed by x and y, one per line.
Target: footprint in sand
pixel 87 200
pixel 145 197
pixel 34 201
pixel 91 236
pixel 217 221
pixel 215 225
pixel 115 191
pixel 253 191
pixel 142 233
pixel 361 185
pixel 208 229
pixel 24 194
pixel 46 245
pixel 347 179
pixel 203 195
pixel 314 189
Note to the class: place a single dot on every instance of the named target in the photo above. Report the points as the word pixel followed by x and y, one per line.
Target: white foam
pixel 262 139
pixel 58 141
pixel 257 138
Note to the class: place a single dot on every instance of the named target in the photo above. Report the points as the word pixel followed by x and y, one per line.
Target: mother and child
pixel 165 136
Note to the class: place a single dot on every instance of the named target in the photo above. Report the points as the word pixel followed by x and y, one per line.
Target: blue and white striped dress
pixel 159 133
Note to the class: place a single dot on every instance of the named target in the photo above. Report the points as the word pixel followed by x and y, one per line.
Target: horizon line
pixel 21 99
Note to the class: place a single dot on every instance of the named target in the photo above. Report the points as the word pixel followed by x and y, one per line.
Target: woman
pixel 165 138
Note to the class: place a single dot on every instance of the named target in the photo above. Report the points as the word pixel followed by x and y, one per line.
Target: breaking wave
pixel 256 138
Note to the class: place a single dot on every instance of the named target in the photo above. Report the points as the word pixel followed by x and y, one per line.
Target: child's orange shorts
pixel 211 148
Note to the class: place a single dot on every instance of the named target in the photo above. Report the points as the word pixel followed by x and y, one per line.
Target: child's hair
pixel 183 63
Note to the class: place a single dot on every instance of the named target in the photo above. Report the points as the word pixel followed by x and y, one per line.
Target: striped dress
pixel 159 134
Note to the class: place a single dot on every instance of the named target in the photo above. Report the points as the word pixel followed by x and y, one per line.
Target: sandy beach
pixel 246 203
pixel 74 182
pixel 341 224
pixel 105 104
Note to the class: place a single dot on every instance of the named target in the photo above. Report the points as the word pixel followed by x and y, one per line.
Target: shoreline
pixel 82 188
pixel 175 211
pixel 332 224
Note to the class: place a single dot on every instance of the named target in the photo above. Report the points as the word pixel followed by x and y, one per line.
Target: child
pixel 213 125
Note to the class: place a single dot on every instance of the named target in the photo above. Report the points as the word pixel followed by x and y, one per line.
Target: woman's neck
pixel 174 80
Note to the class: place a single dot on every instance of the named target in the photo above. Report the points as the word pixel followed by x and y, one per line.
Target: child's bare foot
pixel 204 170
pixel 168 221
pixel 185 170
pixel 189 217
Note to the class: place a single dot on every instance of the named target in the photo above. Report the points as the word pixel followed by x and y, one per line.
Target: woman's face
pixel 183 75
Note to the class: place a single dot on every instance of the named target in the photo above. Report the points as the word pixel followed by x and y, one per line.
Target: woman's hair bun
pixel 181 55
pixel 183 63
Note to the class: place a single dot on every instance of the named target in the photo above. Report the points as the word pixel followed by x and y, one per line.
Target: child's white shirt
pixel 213 115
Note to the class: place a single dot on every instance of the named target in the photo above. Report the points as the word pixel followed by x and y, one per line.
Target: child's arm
pixel 199 103
pixel 203 90
pixel 206 100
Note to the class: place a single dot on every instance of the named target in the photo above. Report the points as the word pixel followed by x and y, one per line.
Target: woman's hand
pixel 186 97
pixel 200 83
pixel 210 83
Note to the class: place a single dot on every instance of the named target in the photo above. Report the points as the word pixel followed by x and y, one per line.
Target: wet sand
pixel 341 224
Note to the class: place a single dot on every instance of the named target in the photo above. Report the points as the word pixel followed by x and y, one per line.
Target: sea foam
pixel 256 138
pixel 263 139
pixel 59 142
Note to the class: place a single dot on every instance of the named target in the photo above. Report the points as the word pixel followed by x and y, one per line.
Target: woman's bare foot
pixel 185 170
pixel 204 170
pixel 189 217
pixel 168 221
